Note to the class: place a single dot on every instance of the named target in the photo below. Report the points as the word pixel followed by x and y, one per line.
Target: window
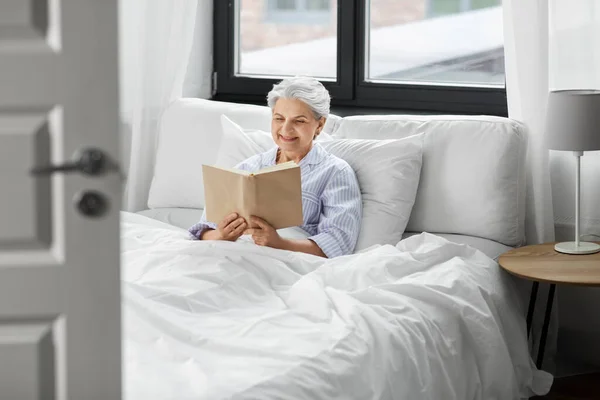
pixel 421 55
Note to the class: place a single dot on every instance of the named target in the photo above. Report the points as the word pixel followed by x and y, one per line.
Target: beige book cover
pixel 273 194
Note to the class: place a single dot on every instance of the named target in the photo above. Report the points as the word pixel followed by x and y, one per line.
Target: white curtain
pixel 575 64
pixel 552 44
pixel 165 54
pixel 527 83
pixel 526 55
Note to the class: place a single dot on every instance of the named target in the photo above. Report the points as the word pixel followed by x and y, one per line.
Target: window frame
pixel 350 89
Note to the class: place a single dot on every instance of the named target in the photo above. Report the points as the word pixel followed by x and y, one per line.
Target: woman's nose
pixel 287 127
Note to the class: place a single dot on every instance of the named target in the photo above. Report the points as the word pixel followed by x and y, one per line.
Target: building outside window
pixel 298 11
pixel 437 8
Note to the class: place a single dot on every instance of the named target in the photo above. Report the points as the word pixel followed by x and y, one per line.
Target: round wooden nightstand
pixel 541 263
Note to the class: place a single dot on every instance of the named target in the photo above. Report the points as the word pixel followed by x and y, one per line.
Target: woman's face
pixel 294 126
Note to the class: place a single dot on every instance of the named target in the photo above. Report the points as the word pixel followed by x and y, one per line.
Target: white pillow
pixel 189 136
pixel 238 144
pixel 388 174
pixel 473 176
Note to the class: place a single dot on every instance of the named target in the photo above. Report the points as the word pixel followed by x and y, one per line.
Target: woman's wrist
pixel 302 245
pixel 284 244
pixel 210 234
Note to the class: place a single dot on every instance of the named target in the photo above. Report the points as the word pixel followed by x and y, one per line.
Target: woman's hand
pixel 230 229
pixel 265 234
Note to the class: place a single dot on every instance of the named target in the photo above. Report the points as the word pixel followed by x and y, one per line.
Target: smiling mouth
pixel 288 140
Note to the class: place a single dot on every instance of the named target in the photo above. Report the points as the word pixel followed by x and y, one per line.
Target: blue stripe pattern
pixel 331 200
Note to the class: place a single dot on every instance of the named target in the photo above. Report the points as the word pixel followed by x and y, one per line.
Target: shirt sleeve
pixel 341 215
pixel 203 225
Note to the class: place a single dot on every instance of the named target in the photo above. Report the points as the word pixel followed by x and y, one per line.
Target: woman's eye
pixel 301 121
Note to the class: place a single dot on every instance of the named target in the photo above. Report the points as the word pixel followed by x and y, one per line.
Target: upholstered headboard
pixel 472 179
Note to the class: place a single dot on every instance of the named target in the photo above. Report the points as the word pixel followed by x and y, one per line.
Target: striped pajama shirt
pixel 331 200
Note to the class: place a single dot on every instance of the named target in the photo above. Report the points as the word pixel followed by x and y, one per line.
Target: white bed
pixel 427 319
pixel 425 316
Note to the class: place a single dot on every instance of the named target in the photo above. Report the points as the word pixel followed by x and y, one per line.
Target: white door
pixel 59 247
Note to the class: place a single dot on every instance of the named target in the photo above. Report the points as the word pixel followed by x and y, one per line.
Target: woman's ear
pixel 322 121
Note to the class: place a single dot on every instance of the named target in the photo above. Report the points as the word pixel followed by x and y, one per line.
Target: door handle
pixel 90 162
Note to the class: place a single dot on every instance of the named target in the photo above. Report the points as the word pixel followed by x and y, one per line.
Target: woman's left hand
pixel 265 234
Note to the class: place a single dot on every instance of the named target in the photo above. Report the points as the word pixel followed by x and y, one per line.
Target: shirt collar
pixel 314 156
pixel 271 156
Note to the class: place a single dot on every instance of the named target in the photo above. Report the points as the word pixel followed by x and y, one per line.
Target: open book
pixel 273 194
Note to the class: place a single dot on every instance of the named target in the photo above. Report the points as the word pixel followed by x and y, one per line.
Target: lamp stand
pixel 577 247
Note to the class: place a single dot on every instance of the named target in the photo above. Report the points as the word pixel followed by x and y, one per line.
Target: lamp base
pixel 572 248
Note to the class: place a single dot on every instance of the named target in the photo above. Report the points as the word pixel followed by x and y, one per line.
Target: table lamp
pixel 573 124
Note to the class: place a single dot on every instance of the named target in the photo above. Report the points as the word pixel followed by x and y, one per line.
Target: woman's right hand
pixel 230 228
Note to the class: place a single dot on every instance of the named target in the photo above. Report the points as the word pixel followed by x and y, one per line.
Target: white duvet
pixel 427 319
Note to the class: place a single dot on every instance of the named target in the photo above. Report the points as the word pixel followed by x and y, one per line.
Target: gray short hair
pixel 304 88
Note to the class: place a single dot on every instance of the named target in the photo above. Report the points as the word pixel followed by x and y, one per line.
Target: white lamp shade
pixel 573 120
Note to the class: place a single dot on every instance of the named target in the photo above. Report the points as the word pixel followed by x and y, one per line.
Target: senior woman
pixel 331 200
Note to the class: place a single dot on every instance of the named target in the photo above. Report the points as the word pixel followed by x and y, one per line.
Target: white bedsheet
pixel 427 319
pixel 181 217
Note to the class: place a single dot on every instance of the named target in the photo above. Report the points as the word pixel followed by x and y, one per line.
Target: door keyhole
pixel 91 203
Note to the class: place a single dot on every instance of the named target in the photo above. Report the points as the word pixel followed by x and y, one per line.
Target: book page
pixel 278 197
pixel 233 170
pixel 278 167
pixel 223 192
